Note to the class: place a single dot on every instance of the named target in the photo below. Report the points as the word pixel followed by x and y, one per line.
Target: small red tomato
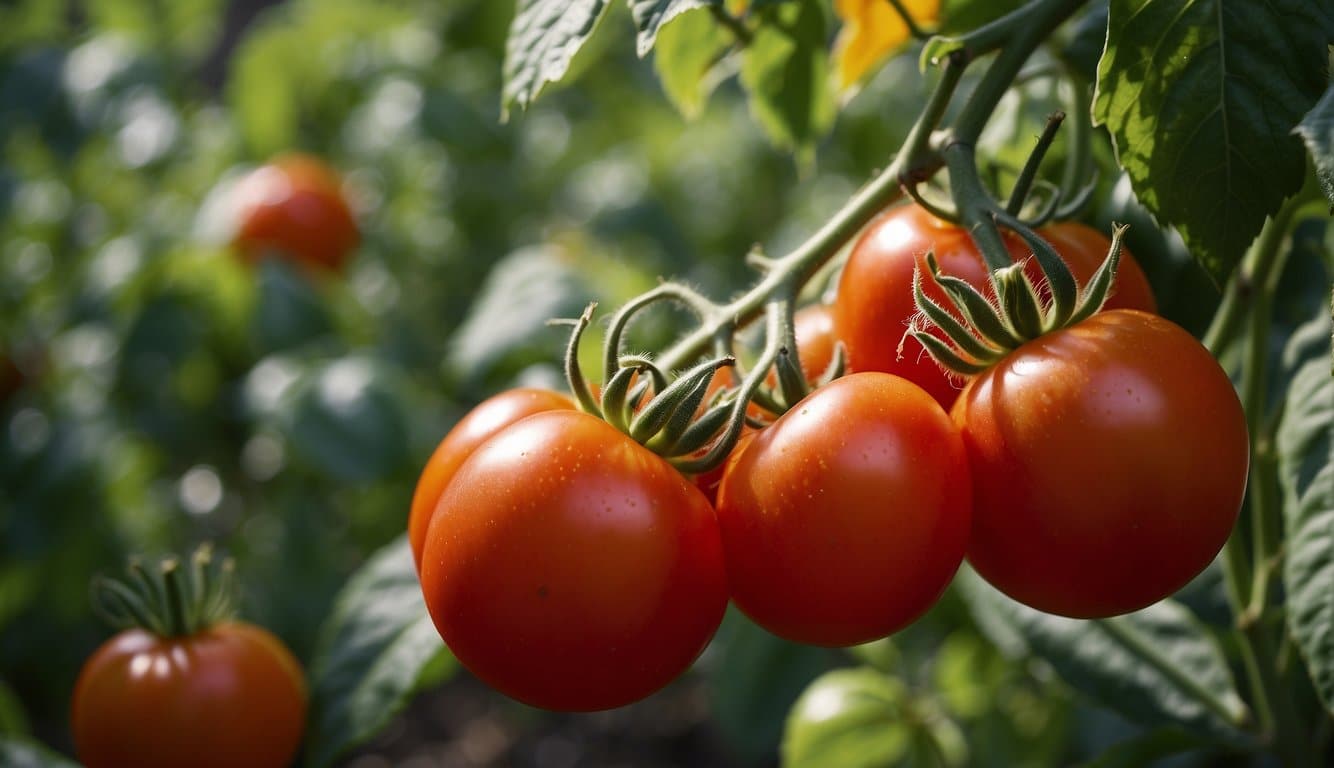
pixel 845 519
pixel 571 568
pixel 875 296
pixel 225 696
pixel 294 207
pixel 1109 461
pixel 489 417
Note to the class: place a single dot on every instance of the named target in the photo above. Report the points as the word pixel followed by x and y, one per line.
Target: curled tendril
pixel 666 292
pixel 935 209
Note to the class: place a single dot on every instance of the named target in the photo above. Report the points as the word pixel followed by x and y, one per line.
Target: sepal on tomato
pixel 168 600
pixel 989 331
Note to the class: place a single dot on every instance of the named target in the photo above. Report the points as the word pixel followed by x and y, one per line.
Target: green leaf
pixel 785 72
pixel 543 40
pixel 375 651
pixel 16 753
pixel 687 50
pixel 1317 130
pixel 1154 666
pixel 652 15
pixel 348 421
pixel 1145 749
pixel 508 320
pixel 1306 472
pixel 754 678
pixel 851 718
pixel 1201 98
pixel 289 311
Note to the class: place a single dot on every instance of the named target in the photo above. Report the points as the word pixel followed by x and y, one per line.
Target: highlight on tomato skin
pixel 1109 463
pixel 293 207
pixel 846 519
pixel 572 569
pixel 875 297
pixel 485 420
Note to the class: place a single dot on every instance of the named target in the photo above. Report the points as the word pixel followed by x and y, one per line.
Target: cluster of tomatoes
pixel 1093 471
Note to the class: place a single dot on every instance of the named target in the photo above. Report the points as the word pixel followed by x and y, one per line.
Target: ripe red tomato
pixel 845 519
pixel 1109 461
pixel 489 417
pixel 571 568
pixel 875 299
pixel 294 207
pixel 225 696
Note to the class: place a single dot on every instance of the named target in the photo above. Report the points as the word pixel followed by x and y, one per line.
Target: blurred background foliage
pixel 158 392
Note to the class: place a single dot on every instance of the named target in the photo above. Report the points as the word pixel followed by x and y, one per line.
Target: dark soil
pixel 466 725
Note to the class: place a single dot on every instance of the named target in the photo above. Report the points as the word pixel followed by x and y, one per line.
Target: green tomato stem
pixel 975 205
pixel 1264 268
pixel 1024 183
pixel 1079 154
pixel 1016 35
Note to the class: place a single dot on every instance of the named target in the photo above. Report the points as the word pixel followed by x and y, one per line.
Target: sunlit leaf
pixel 652 15
pixel 1201 98
pixel 687 50
pixel 784 70
pixel 543 40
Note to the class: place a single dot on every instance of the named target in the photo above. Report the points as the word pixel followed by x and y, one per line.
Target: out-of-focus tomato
pixel 293 207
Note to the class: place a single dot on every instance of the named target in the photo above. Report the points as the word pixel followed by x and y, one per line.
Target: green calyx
pixel 979 332
pixel 679 414
pixel 169 598
pixel 639 398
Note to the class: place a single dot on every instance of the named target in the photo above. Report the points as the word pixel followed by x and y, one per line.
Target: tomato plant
pixel 570 568
pixel 480 199
pixel 294 207
pixel 192 688
pixel 875 298
pixel 482 422
pixel 1109 461
pixel 846 518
